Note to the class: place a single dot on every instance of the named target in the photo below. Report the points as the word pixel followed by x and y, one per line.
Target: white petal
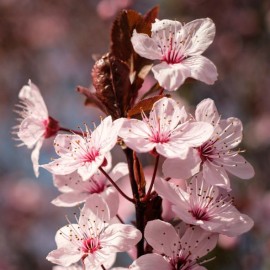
pixel 110 195
pixel 150 262
pixel 145 46
pixel 31 131
pixel 120 170
pixel 193 133
pixel 201 68
pixel 162 237
pixel 215 176
pixel 239 167
pixel 171 76
pixel 171 192
pixel 95 208
pixel 182 168
pixel 31 94
pixel 203 33
pixel 70 199
pixel 64 256
pixel 121 237
pixel 206 111
pixel 35 157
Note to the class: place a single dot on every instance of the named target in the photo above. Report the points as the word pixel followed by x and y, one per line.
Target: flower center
pixel 51 126
pixel 206 151
pixel 159 138
pixel 199 213
pixel 91 155
pixel 91 245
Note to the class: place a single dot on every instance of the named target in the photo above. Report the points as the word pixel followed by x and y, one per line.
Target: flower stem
pixel 120 219
pixel 114 184
pixel 103 267
pixel 153 178
pixel 139 206
pixel 71 131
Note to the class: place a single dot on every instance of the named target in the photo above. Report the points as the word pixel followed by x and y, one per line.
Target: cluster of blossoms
pixel 199 149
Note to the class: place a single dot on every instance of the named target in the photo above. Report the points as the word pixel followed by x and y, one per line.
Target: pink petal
pixel 239 167
pixel 121 237
pixel 35 157
pixel 206 111
pixel 198 241
pixel 215 176
pixel 64 144
pixel 31 131
pixel 145 46
pixel 31 94
pixel 62 166
pixel 171 192
pixel 68 183
pixel 201 69
pixel 64 256
pixel 70 199
pixel 240 224
pixel 193 133
pixel 171 76
pixel 168 114
pixel 150 262
pixel 234 131
pixel 61 237
pixel 95 208
pixel 203 33
pixel 110 195
pixel 162 237
pixel 172 149
pixel 182 168
pixel 120 170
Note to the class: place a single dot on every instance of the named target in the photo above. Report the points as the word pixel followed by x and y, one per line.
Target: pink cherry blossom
pixel 95 239
pixel 76 191
pixel 166 130
pixel 179 47
pixel 204 205
pixel 84 153
pixel 35 123
pixel 174 251
pixel 216 156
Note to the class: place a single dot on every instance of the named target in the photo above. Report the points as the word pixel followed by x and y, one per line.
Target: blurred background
pixel 53 42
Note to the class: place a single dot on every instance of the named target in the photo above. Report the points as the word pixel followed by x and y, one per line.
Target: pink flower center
pixel 51 126
pixel 91 155
pixel 159 138
pixel 199 213
pixel 206 151
pixel 91 245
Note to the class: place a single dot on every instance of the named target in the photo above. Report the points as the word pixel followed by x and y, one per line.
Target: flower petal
pixel 145 46
pixel 150 262
pixel 201 69
pixel 182 168
pixel 70 199
pixel 35 157
pixel 203 33
pixel 206 111
pixel 171 76
pixel 238 166
pixel 64 256
pixel 121 237
pixel 162 237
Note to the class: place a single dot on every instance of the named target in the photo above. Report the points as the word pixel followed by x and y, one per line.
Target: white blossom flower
pixel 75 190
pixel 95 239
pixel 179 47
pixel 84 153
pixel 174 251
pixel 166 130
pixel 215 156
pixel 204 205
pixel 35 122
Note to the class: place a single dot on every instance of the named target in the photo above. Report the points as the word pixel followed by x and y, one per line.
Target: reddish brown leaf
pixel 144 105
pixel 112 84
